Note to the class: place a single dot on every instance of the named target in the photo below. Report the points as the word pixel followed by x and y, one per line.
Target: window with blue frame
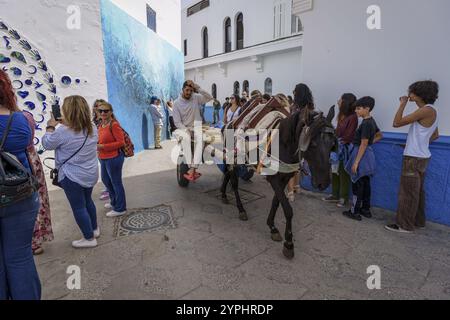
pixel 151 18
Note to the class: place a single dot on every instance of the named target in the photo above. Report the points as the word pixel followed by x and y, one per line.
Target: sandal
pixel 197 175
pixel 189 177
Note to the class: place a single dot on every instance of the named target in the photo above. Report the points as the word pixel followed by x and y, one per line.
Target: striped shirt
pixel 83 167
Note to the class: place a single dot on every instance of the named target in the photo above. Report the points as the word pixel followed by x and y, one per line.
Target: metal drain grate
pixel 144 220
pixel 246 196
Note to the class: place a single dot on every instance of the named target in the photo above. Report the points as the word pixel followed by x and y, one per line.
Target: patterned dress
pixel 43 228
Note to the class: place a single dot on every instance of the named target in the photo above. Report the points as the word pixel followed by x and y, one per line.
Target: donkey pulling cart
pixel 280 141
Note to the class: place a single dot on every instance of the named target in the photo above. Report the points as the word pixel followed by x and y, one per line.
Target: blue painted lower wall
pixel 386 182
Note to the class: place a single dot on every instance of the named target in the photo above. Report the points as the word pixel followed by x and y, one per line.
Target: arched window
pixel 246 87
pixel 240 32
pixel 268 86
pixel 205 42
pixel 214 91
pixel 237 88
pixel 228 35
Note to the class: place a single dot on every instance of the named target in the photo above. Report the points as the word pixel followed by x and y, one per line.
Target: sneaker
pixel 97 233
pixel 108 206
pixel 330 199
pixel 396 228
pixel 291 196
pixel 342 203
pixel 104 196
pixel 114 214
pixel 83 243
pixel 355 216
pixel 366 214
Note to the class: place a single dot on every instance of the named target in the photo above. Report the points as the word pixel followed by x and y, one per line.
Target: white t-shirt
pixel 233 115
pixel 418 143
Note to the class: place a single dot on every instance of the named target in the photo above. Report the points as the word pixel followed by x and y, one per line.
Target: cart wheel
pixel 182 169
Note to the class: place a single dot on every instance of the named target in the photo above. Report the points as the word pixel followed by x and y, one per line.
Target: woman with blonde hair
pixel 111 140
pixel 98 121
pixel 75 145
pixel 95 116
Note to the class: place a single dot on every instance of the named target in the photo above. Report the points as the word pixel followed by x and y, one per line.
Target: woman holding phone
pixel 75 145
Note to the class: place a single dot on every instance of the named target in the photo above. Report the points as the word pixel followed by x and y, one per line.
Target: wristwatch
pixel 51 127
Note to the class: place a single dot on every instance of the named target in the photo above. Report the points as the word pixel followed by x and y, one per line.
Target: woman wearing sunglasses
pixel 111 140
pixel 234 110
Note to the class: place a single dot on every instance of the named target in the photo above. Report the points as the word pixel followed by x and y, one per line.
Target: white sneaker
pixel 291 196
pixel 97 233
pixel 108 206
pixel 83 243
pixel 114 214
pixel 341 204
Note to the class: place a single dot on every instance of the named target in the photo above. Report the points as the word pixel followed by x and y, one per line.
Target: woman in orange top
pixel 111 141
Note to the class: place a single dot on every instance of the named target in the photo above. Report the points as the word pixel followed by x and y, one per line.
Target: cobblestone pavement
pixel 199 249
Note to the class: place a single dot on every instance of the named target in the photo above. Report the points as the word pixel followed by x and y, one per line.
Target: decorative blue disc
pixel 66 80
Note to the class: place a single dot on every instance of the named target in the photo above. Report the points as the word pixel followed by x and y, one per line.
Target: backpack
pixel 128 148
pixel 16 183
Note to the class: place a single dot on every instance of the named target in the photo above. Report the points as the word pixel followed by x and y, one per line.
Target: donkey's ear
pixel 331 114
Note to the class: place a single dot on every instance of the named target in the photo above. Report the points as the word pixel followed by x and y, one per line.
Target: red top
pixel 112 138
pixel 346 128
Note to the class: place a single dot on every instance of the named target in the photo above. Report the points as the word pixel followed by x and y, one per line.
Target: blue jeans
pixel 19 279
pixel 112 179
pixel 216 116
pixel 83 207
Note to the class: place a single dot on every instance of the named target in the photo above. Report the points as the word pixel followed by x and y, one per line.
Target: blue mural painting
pixel 139 65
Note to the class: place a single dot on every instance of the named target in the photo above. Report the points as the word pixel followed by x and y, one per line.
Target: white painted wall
pixel 77 53
pixel 283 67
pixel 258 24
pixel 168 16
pixel 284 75
pixel 342 55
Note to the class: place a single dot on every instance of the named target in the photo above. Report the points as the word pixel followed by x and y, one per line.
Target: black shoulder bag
pixel 54 173
pixel 16 182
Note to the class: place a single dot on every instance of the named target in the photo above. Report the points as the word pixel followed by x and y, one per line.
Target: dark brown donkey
pixel 304 135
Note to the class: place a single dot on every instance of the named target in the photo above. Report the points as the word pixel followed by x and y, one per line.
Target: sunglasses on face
pixel 103 111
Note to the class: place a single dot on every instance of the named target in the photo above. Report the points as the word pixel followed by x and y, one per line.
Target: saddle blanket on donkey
pixel 253 133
